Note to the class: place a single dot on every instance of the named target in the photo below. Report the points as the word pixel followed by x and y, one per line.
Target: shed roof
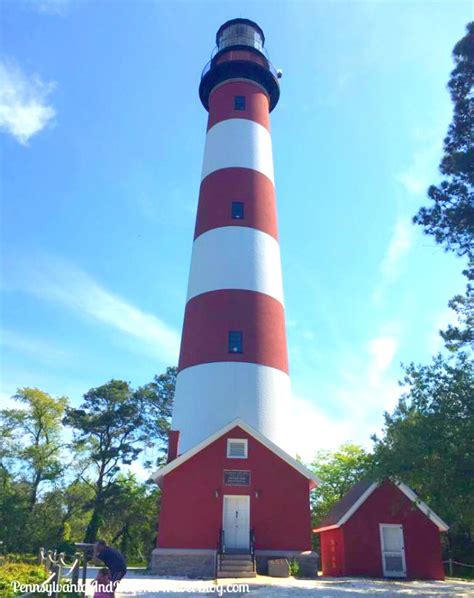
pixel 345 503
pixel 358 494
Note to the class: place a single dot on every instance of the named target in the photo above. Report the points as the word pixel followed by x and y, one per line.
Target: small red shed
pixel 381 530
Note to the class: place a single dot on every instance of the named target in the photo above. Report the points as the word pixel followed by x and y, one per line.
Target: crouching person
pixel 113 559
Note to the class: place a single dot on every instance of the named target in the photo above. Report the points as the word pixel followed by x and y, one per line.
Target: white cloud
pixel 400 244
pixel 367 386
pixel 423 167
pixel 417 176
pixel 311 429
pixel 6 401
pixel 391 266
pixel 364 402
pixel 351 409
pixel 63 283
pixel 356 413
pixel 24 103
pixel 382 351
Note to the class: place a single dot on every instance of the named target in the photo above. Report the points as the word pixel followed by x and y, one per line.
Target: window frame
pixel 242 441
pixel 241 205
pixel 240 350
pixel 240 103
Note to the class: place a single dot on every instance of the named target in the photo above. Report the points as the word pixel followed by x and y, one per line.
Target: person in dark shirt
pixel 113 559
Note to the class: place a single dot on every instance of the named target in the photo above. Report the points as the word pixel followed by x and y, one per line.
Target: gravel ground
pixel 266 587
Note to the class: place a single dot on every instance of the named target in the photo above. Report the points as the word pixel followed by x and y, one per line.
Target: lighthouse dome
pixel 240 32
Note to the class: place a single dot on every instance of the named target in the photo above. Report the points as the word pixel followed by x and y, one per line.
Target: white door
pixel 236 522
pixel 393 550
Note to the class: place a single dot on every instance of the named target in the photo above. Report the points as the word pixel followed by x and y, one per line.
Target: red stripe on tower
pixel 222 106
pixel 221 189
pixel 210 316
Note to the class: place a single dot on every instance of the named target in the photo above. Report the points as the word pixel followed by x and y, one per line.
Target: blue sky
pixel 102 137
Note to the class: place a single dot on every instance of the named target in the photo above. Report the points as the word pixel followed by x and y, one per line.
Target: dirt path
pixel 144 586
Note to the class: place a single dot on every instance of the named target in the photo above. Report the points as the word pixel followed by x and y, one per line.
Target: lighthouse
pixel 233 497
pixel 233 360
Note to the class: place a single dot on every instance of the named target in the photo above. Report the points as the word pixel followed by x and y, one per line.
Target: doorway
pixel 236 522
pixel 393 550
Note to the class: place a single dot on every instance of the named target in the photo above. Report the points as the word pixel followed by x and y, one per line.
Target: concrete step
pixel 237 566
pixel 230 573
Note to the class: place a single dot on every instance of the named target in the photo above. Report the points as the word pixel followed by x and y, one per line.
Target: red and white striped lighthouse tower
pixel 233 360
pixel 229 487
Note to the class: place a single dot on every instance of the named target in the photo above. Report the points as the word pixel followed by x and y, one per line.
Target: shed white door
pixel 236 522
pixel 393 550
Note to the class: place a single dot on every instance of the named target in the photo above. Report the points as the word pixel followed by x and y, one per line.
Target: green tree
pixel 108 432
pixel 450 219
pixel 31 439
pixel 427 440
pixel 67 511
pixel 131 519
pixel 461 336
pixel 157 399
pixel 14 512
pixel 338 472
pixel 114 426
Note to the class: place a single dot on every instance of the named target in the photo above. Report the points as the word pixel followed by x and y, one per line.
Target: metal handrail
pixel 252 548
pixel 252 541
pixel 206 69
pixel 221 541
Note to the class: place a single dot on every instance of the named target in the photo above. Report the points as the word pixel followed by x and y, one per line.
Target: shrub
pixel 294 568
pixel 21 572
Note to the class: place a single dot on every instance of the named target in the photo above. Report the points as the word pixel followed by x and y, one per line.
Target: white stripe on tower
pixel 233 257
pixel 238 143
pixel 234 383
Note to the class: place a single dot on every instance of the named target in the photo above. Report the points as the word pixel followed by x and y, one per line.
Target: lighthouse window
pixel 239 103
pixel 237 210
pixel 235 342
pixel 237 448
